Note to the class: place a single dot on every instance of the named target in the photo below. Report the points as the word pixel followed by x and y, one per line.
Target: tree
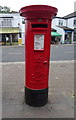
pixel 4 9
pixel 1 9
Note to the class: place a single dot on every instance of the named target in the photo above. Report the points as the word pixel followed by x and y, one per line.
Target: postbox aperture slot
pixel 39 42
pixel 39 25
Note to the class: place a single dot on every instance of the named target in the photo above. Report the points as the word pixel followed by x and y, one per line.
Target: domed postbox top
pixel 38 11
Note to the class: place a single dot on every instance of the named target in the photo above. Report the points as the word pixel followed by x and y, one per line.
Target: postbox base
pixel 36 98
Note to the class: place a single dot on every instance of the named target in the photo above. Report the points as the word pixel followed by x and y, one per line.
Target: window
pixel 74 36
pixel 60 22
pixel 19 35
pixel 6 22
pixel 23 21
pixel 74 22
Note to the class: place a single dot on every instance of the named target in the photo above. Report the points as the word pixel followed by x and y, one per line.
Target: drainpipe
pixel 72 37
pixel 63 37
pixel 10 39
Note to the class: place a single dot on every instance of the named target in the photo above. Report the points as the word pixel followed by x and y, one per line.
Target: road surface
pixel 57 53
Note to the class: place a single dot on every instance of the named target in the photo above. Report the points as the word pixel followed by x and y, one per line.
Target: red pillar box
pixel 38 35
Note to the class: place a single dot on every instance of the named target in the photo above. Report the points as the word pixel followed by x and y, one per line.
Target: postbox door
pixel 39 60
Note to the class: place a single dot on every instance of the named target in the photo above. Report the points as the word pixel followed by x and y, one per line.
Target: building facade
pixel 66 26
pixel 11 28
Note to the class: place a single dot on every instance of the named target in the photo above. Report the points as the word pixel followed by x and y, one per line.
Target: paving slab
pixel 61 92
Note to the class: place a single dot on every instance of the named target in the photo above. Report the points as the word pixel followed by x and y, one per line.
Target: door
pixel 40 60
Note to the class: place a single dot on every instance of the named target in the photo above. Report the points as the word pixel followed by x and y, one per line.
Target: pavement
pixel 61 92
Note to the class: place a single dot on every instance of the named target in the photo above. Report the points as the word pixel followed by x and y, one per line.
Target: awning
pixel 55 34
pixel 9 30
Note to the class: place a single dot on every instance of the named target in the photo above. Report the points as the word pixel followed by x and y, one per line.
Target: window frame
pixel 60 22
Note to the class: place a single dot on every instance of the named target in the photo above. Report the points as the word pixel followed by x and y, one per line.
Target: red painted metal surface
pixel 38 11
pixel 38 25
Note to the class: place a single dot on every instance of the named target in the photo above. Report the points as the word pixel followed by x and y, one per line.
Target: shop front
pixel 56 37
pixel 9 36
pixel 68 37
